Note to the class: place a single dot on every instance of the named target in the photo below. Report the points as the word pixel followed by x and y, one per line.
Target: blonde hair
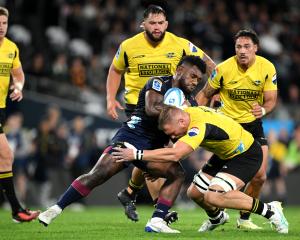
pixel 167 115
pixel 4 12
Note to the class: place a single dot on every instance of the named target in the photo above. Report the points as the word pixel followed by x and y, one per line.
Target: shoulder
pixel 129 42
pixel 227 65
pixel 263 61
pixel 8 43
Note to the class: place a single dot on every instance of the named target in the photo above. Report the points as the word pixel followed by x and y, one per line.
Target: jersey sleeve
pixel 16 62
pixel 157 85
pixel 119 60
pixel 215 78
pixel 271 78
pixel 191 49
pixel 194 136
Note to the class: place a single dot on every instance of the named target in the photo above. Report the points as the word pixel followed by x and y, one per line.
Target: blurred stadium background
pixel 66 47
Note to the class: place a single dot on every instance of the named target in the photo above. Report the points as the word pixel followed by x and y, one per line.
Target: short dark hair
pixel 193 60
pixel 247 33
pixel 154 9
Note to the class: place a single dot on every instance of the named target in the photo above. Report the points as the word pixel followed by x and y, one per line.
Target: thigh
pixel 244 166
pixel 213 166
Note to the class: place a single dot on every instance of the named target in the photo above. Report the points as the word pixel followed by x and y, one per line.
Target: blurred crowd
pixel 74 41
pixel 55 153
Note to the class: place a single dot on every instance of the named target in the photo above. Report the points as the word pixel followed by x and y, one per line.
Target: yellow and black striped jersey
pixel 240 89
pixel 141 60
pixel 9 59
pixel 216 133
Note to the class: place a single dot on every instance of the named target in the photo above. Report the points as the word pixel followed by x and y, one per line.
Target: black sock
pixel 245 215
pixel 6 180
pixel 213 213
pixel 261 208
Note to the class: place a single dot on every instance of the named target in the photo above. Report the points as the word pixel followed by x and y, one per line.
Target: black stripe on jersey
pixel 213 132
pixel 266 77
pixel 183 53
pixel 221 82
pixel 15 54
pixel 126 59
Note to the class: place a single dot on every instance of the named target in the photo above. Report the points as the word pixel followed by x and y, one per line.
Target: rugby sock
pixel 74 193
pixel 261 208
pixel 6 180
pixel 214 215
pixel 245 215
pixel 133 188
pixel 162 208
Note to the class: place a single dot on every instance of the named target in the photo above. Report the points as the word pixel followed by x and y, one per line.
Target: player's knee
pixel 194 194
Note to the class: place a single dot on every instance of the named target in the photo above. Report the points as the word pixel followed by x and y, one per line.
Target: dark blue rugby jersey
pixel 139 117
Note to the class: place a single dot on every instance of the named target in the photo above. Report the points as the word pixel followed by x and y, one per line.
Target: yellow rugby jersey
pixel 141 60
pixel 216 133
pixel 9 59
pixel 239 89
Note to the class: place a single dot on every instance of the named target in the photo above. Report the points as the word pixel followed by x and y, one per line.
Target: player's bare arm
pixel 112 85
pixel 270 99
pixel 17 84
pixel 210 64
pixel 179 151
pixel 154 103
pixel 205 94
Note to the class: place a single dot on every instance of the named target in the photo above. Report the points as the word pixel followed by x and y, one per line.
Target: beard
pixel 152 38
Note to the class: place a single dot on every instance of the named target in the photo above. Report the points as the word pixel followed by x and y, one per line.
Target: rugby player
pixel 247 86
pixel 140 131
pixel 10 65
pixel 237 158
pixel 153 52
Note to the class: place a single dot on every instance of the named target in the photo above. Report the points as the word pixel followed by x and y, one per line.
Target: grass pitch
pixel 111 223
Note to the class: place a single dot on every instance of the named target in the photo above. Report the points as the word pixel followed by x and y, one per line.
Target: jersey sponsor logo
pixel 156 85
pixel 214 74
pixel 256 82
pixel 139 56
pixel 192 48
pixel 240 148
pixel 134 120
pixel 233 82
pixel 118 53
pixel 11 55
pixel 274 79
pixel 243 94
pixel 170 55
pixel 5 69
pixel 154 69
pixel 194 131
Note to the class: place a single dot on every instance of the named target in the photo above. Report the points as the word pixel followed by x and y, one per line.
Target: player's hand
pixel 123 154
pixel 111 109
pixel 257 110
pixel 16 94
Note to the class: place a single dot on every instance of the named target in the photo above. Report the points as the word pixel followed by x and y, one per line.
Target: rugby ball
pixel 174 97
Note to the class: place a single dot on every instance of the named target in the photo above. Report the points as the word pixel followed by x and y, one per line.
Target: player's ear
pixel 143 25
pixel 255 48
pixel 167 24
